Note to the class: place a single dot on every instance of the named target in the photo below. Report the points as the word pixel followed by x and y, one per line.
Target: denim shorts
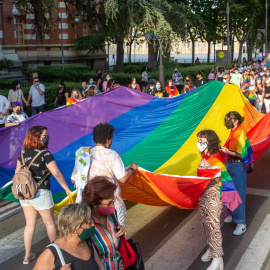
pixel 42 201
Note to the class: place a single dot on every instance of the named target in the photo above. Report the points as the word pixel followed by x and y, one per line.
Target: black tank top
pixel 76 263
pixel 267 91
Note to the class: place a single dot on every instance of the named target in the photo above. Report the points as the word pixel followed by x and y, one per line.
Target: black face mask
pixel 60 88
pixel 75 96
pixel 45 140
pixel 19 111
pixel 229 124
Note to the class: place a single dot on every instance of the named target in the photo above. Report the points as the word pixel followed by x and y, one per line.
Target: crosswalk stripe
pixel 182 249
pixel 257 251
pixel 9 210
pixel 258 192
pixel 12 244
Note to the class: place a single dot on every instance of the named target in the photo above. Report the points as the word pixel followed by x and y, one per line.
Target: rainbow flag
pixel 229 196
pixel 159 134
pixel 239 142
pixel 245 81
pixel 251 97
pixel 266 60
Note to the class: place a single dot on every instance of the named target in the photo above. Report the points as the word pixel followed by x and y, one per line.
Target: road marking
pixel 182 248
pixel 257 251
pixel 12 244
pixel 9 210
pixel 258 192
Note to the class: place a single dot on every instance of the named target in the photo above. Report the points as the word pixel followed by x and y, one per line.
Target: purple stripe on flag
pixel 68 124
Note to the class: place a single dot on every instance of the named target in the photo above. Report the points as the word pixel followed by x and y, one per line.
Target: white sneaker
pixel 217 264
pixel 228 219
pixel 205 257
pixel 240 229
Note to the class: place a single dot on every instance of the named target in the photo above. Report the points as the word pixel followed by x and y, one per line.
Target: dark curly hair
pixel 212 139
pixel 98 189
pixel 236 116
pixel 102 132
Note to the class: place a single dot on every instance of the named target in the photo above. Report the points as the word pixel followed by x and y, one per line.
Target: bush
pixel 6 64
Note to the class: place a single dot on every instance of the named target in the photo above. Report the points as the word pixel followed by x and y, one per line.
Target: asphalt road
pixel 170 238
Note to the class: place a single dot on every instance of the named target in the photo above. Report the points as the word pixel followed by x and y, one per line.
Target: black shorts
pixel 144 83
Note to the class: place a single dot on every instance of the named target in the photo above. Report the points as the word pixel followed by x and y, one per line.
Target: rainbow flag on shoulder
pixel 229 195
pixel 245 81
pixel 239 142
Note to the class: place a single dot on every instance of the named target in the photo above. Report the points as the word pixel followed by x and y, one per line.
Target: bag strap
pixel 116 224
pixel 22 158
pixel 35 157
pixel 59 252
pixel 43 179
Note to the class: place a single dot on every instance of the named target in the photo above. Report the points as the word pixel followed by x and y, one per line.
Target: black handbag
pixel 138 265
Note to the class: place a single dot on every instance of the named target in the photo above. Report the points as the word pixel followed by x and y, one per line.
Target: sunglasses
pixel 36 81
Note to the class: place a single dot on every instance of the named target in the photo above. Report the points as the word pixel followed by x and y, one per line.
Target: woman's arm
pixel 18 167
pixel 46 261
pixel 133 167
pixel 53 168
pixel 66 95
pixel 231 153
pixel 98 261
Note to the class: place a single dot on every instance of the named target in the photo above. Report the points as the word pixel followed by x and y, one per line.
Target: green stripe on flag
pixel 163 142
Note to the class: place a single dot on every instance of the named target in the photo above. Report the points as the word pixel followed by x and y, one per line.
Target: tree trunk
pixel 250 45
pixel 208 51
pixel 241 43
pixel 152 56
pixel 120 54
pixel 129 53
pixel 193 49
pixel 167 51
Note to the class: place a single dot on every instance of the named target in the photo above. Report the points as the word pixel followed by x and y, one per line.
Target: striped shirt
pixel 106 244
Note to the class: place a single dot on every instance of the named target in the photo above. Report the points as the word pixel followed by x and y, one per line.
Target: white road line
pixel 254 257
pixel 9 210
pixel 13 244
pixel 258 192
pixel 182 248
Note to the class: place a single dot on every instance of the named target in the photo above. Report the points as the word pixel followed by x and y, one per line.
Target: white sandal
pixel 29 258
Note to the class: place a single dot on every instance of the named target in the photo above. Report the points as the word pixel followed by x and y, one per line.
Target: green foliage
pixel 6 64
pixel 74 73
pixel 42 24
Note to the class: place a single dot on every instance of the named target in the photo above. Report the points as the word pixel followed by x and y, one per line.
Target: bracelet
pixel 131 169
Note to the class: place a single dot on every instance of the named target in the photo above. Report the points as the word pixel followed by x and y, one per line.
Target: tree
pixel 41 24
pixel 242 20
pixel 208 13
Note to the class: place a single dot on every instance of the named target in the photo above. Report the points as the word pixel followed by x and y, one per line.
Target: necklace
pixel 80 246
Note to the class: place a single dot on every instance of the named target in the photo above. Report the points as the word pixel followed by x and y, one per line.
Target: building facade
pixel 19 42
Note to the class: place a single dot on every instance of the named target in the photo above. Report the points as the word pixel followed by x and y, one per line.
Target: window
pixel 205 44
pixel 19 30
pixel 85 29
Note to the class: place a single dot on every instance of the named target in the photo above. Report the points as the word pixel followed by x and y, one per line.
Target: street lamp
pixel 15 12
pixel 59 17
pixel 228 33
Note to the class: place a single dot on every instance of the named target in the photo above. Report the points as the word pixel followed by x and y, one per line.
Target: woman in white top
pixel 144 79
pixel 220 74
pixel 15 94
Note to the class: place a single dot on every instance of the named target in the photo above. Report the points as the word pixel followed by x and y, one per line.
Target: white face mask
pixel 170 83
pixel 267 81
pixel 107 78
pixel 259 81
pixel 201 146
pixel 134 82
pixel 236 72
pixel 224 80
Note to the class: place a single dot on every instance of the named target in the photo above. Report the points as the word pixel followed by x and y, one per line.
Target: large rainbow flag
pixel 157 134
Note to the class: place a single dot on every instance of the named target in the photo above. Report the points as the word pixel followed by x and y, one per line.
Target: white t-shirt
pixel 145 75
pixel 107 162
pixel 4 104
pixel 236 78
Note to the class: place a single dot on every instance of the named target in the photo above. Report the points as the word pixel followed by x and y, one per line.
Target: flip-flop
pixel 29 258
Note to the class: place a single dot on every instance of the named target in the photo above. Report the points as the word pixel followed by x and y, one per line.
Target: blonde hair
pixel 72 217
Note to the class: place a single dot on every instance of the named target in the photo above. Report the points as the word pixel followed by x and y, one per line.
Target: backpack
pixel 83 158
pixel 24 186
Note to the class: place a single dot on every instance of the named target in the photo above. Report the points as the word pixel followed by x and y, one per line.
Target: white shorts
pixel 42 201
